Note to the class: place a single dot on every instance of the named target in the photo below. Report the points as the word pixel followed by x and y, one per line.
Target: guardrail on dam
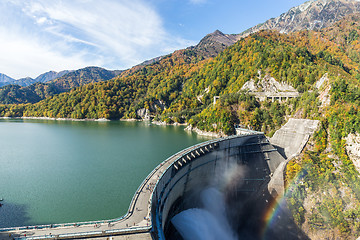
pixel 164 192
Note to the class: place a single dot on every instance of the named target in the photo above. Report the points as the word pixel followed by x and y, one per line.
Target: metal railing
pixel 131 230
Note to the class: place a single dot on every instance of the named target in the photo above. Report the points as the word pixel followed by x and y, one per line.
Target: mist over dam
pixel 225 188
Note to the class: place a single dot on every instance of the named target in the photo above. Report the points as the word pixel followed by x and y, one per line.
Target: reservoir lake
pixel 74 171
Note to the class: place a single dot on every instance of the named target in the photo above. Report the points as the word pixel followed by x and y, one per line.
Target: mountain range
pixel 51 83
pixel 45 77
pixel 312 15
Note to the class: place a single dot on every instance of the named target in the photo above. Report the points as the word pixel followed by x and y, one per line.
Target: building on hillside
pixel 267 88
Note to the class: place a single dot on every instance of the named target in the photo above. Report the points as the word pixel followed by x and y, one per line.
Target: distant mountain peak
pixel 31 93
pixel 217 32
pixel 48 76
pixel 214 43
pixel 27 81
pixel 4 78
pixel 218 37
pixel 311 15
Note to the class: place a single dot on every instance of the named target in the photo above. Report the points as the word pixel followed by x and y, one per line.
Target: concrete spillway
pixel 291 138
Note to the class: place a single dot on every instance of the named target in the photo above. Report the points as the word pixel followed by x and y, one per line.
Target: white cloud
pixel 27 57
pixel 41 35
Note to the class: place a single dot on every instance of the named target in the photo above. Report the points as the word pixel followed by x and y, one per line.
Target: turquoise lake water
pixel 66 171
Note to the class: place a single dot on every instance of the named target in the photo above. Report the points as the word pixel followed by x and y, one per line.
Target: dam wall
pixel 251 158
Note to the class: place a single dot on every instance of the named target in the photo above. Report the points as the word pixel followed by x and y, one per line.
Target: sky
pixel 37 36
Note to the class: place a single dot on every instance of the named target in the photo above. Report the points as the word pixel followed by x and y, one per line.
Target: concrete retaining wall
pixel 293 136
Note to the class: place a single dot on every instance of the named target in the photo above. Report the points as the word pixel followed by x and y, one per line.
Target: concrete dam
pixel 247 170
pixel 242 166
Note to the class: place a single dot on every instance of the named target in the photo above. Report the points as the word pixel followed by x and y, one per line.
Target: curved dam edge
pixel 196 169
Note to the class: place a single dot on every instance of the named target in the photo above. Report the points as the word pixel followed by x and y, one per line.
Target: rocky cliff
pixel 311 15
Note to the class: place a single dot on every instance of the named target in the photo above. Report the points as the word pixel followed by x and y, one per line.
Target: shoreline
pixel 58 119
pixel 158 123
pixel 203 133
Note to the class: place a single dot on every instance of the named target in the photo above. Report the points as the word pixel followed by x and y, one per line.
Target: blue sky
pixel 37 36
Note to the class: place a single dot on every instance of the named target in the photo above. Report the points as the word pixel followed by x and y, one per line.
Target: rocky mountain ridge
pixel 311 15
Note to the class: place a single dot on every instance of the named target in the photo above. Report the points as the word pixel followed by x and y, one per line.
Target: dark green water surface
pixel 65 171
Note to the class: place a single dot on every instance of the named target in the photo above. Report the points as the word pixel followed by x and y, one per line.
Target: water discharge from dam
pixel 208 223
pixel 211 221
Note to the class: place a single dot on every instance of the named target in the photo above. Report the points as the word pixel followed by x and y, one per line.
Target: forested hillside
pixel 180 88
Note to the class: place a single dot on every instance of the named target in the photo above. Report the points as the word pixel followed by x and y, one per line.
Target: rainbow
pixel 272 215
